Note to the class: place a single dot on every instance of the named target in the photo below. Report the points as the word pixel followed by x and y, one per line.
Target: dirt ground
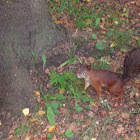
pixel 121 122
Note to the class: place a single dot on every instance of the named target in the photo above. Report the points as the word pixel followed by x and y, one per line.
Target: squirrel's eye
pixel 84 73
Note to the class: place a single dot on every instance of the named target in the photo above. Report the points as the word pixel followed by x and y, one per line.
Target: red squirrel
pixel 113 81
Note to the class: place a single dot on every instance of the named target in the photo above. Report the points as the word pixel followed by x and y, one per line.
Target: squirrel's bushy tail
pixel 131 64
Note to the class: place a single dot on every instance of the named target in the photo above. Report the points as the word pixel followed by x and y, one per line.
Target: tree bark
pixel 25 26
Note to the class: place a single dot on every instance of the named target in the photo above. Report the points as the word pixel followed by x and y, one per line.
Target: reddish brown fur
pixel 98 78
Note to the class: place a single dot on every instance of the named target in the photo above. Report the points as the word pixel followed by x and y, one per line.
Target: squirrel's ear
pixel 81 61
pixel 89 67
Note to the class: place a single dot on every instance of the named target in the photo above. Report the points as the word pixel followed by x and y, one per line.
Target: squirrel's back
pixel 131 63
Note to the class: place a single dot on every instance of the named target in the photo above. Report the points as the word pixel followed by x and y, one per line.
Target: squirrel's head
pixel 83 71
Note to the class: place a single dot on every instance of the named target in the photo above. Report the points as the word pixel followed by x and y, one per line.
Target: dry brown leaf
pixel 91 114
pixel 61 91
pixel 74 116
pixel 135 37
pixel 48 85
pixel 91 59
pixel 47 71
pixel 119 129
pixel 132 94
pixel 27 137
pixel 138 128
pixel 125 116
pixel 44 131
pixel 73 127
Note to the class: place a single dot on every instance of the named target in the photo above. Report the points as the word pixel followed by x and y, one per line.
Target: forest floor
pixel 78 113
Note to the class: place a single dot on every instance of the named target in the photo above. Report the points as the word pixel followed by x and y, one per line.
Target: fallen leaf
pixel 61 91
pixel 132 2
pixel 56 21
pixel 47 71
pixel 137 95
pixel 0 123
pixel 52 129
pixel 132 94
pixel 41 113
pixel 62 131
pixel 36 138
pixel 102 27
pixel 93 139
pixel 91 59
pixel 88 22
pixel 88 0
pixel 27 137
pixel 135 37
pixel 54 138
pixel 116 22
pixel 44 130
pixel 37 94
pixel 138 128
pixel 78 101
pixel 33 120
pixel 48 85
pixel 73 127
pixel 125 116
pixel 25 111
pixel 82 58
pixel 74 116
pixel 120 129
pixel 91 114
pixel 113 44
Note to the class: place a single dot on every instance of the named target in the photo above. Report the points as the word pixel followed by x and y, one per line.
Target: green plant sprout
pixel 44 61
pixel 104 104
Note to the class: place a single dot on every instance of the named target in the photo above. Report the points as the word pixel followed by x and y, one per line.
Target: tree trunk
pixel 25 26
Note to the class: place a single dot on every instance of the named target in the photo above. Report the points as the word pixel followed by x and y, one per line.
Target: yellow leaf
pixel 113 44
pixel 116 22
pixel 126 14
pixel 37 93
pixel 51 129
pixel 40 113
pixel 122 15
pixel 57 21
pixel 132 2
pixel 33 120
pixel 88 0
pixel 25 111
pixel 87 22
pixel 93 139
pixel 103 19
pixel 27 137
pixel 124 9
pixel 0 123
